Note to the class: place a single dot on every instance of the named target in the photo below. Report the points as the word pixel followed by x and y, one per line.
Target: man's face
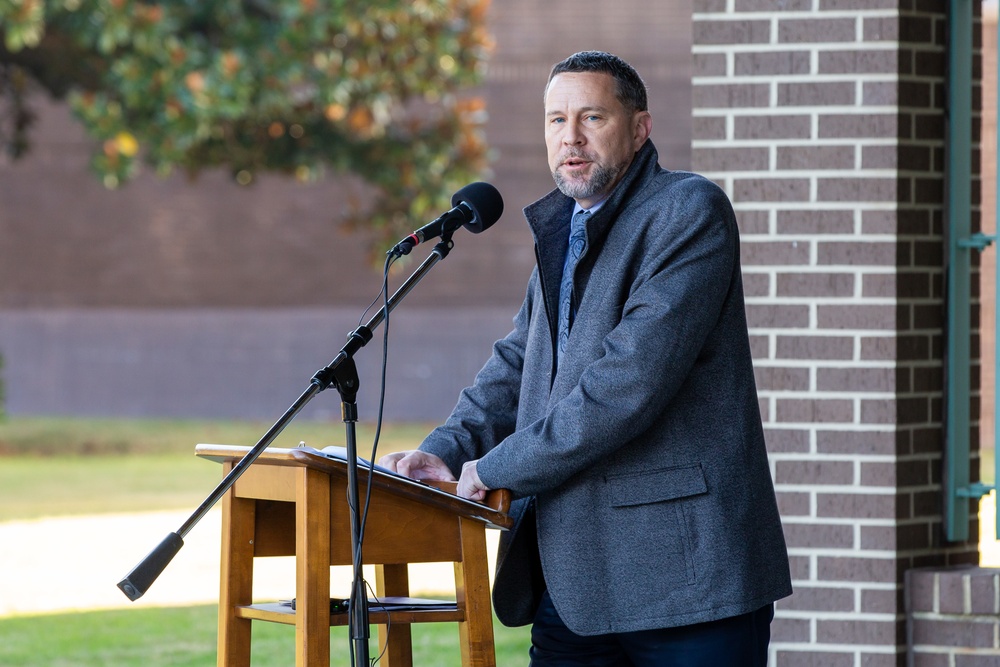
pixel 590 136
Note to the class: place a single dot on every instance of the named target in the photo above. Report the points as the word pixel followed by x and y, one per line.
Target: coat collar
pixel 549 220
pixel 549 217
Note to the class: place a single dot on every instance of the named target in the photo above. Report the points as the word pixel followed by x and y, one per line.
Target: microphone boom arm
pixel 141 577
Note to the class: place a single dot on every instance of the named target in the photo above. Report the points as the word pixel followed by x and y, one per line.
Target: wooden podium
pixel 293 502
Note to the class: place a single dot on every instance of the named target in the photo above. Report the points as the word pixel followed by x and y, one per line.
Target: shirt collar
pixel 593 209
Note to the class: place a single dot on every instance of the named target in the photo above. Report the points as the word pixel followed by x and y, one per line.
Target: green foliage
pixel 368 87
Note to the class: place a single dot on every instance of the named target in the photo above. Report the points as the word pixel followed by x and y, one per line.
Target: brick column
pixel 824 121
pixel 953 617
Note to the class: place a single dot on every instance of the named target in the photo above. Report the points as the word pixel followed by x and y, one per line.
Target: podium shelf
pixel 275 612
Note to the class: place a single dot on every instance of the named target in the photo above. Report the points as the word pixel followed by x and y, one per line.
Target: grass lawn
pixel 65 467
pixel 58 467
pixel 987 469
pixel 61 436
pixel 186 637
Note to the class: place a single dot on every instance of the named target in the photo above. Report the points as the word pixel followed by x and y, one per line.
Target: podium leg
pixel 236 581
pixel 312 569
pixel 394 580
pixel 472 588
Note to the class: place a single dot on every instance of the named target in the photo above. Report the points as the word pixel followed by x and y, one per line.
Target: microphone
pixel 476 207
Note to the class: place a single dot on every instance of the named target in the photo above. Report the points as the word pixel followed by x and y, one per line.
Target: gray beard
pixel 602 177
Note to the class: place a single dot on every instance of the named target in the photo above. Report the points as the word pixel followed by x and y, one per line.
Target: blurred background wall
pixel 209 299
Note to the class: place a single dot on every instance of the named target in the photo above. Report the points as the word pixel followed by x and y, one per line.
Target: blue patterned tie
pixel 577 242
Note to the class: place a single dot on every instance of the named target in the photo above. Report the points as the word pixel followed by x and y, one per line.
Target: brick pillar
pixel 824 122
pixel 953 617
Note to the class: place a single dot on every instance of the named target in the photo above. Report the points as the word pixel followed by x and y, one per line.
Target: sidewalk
pixel 75 563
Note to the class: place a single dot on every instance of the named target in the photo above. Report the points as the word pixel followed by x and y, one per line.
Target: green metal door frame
pixel 961 243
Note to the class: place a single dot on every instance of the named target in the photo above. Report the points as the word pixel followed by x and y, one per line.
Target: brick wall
pixel 824 121
pixel 953 617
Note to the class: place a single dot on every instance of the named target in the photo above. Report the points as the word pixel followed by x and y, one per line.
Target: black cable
pixel 388 627
pixel 357 559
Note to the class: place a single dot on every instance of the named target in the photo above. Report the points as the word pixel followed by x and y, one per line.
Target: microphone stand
pixel 341 373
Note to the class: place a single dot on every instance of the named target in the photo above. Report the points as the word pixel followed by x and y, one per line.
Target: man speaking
pixel 621 411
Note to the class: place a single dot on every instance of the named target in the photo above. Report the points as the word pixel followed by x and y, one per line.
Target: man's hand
pixel 469 484
pixel 416 464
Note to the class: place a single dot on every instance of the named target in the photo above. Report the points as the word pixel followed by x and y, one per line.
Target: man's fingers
pixel 470 486
pixel 390 461
pixel 416 464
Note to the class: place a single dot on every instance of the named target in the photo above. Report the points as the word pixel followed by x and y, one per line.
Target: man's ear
pixel 643 127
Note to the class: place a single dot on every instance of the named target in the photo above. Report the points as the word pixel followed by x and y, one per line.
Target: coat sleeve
pixel 486 412
pixel 687 287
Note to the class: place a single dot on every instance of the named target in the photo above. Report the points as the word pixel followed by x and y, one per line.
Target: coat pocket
pixel 650 523
pixel 656 486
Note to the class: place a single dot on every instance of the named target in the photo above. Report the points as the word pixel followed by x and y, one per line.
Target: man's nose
pixel 572 136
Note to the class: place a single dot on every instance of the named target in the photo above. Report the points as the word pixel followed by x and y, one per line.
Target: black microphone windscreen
pixel 485 201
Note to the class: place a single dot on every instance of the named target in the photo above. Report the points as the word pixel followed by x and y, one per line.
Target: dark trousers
pixel 740 641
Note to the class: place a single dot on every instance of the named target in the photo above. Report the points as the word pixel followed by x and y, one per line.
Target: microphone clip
pixel 442 248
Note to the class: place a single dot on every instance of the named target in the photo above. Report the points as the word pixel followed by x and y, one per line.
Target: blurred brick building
pixel 208 299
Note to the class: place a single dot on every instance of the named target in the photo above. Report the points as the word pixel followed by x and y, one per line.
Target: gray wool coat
pixel 643 494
